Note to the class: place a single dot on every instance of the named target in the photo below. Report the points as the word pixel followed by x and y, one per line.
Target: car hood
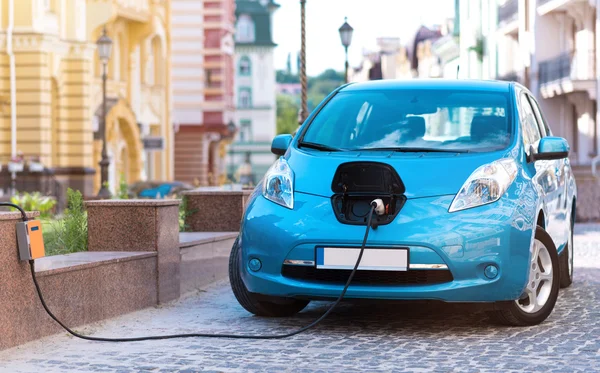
pixel 423 174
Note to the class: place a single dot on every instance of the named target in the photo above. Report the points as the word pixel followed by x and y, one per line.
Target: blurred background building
pixel 203 83
pixel 192 94
pixel 394 60
pixel 52 90
pixel 550 47
pixel 255 90
pixel 547 45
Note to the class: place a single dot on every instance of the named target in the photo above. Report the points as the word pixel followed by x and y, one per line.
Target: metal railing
pixel 542 2
pixel 26 181
pixel 575 65
pixel 508 12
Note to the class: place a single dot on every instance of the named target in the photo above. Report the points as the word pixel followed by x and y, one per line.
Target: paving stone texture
pixel 357 337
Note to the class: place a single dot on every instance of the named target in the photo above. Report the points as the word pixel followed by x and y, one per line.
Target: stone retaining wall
pixel 588 195
pixel 79 294
pixel 135 260
pixel 204 258
pixel 140 225
pixel 216 211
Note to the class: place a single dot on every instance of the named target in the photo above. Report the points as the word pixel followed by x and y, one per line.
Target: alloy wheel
pixel 539 286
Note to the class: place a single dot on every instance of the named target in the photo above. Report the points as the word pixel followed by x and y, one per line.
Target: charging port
pixel 356 184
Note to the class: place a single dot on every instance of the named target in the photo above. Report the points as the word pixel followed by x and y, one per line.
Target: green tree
pixel 281 76
pixel 331 74
pixel 318 88
pixel 322 85
pixel 287 114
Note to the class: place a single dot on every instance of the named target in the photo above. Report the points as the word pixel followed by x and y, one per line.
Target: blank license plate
pixel 372 259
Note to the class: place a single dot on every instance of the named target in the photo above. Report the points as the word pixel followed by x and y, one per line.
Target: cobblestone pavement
pixel 357 337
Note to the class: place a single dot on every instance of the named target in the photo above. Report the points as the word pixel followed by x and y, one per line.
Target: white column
pixel 587 63
pixel 585 121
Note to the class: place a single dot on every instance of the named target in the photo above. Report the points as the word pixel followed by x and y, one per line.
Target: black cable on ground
pixel 206 335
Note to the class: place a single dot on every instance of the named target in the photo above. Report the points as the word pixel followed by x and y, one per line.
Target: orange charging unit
pixel 30 240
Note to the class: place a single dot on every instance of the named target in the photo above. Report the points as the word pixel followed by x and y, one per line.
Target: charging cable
pixel 23 214
pixel 374 206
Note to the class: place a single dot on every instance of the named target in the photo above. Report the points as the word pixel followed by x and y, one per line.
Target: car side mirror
pixel 551 148
pixel 280 144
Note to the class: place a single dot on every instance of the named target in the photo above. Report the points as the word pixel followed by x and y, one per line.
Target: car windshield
pixel 412 120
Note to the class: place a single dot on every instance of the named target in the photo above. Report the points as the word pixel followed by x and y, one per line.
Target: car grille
pixel 337 276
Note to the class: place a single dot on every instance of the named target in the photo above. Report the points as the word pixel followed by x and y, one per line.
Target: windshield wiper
pixel 313 145
pixel 412 150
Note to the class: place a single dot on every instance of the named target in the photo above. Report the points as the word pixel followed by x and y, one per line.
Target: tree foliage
pixel 287 114
pixel 318 88
pixel 286 77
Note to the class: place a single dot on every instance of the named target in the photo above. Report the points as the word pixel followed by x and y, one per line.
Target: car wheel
pixel 541 292
pixel 566 262
pixel 257 304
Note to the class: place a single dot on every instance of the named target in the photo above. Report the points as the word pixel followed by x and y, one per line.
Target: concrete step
pixel 204 258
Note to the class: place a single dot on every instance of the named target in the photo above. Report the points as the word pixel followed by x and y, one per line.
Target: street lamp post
pixel 231 128
pixel 346 35
pixel 104 48
pixel 303 81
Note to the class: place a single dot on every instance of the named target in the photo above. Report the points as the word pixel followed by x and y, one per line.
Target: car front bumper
pixel 465 242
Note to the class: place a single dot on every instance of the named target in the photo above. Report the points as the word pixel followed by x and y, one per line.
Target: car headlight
pixel 278 184
pixel 485 185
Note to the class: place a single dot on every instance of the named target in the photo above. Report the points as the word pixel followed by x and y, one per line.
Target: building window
pixel 245 99
pixel 245 29
pixel 245 130
pixel 245 67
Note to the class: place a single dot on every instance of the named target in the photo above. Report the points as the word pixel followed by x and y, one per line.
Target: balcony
pixel 568 72
pixel 135 10
pixel 548 6
pixel 512 76
pixel 508 17
pixel 105 10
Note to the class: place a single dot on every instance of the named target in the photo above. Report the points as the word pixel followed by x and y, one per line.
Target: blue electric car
pixel 479 203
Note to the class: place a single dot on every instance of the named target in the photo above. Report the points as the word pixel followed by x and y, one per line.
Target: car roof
pixel 462 84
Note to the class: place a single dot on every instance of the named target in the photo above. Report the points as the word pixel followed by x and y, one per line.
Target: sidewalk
pixel 375 337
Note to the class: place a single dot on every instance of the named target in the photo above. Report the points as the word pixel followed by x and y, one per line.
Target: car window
pixel 531 131
pixel 544 128
pixel 436 119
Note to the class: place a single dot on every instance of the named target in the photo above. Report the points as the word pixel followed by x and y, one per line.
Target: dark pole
pixel 231 164
pixel 104 193
pixel 346 37
pixel 346 75
pixel 304 109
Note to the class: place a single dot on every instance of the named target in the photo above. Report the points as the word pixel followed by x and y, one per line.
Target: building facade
pixel 550 47
pixel 255 91
pixel 51 87
pixel 203 83
pixel 395 60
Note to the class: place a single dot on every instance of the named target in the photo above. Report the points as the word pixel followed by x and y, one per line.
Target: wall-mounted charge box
pixel 30 240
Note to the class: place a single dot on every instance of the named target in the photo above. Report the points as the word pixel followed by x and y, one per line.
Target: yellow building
pixel 56 88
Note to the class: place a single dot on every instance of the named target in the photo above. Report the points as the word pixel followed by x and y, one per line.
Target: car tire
pixel 566 262
pixel 257 304
pixel 521 312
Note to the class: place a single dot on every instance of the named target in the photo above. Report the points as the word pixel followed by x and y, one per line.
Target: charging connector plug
pixel 379 206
